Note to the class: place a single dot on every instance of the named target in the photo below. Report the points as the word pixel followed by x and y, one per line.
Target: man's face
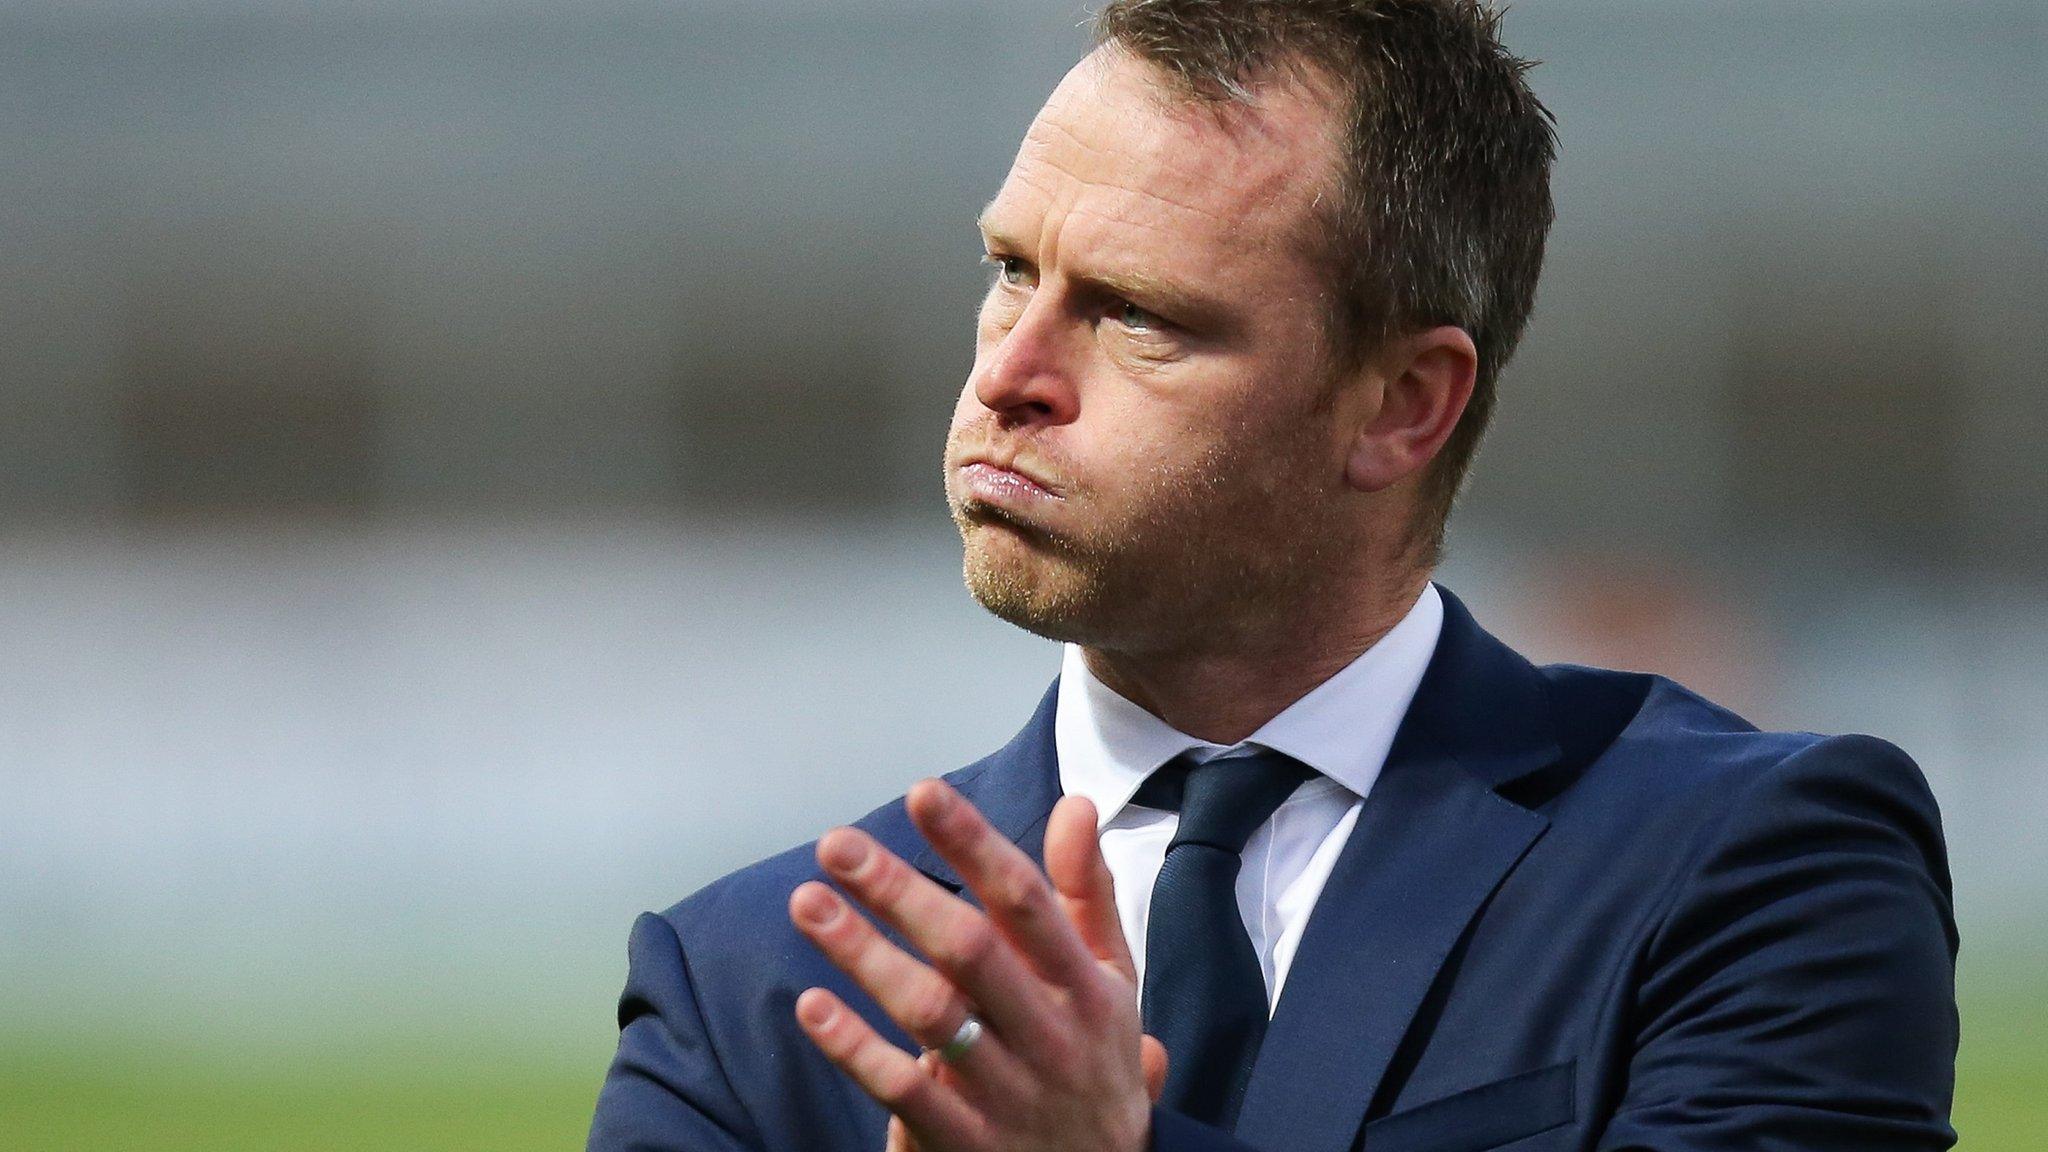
pixel 1144 456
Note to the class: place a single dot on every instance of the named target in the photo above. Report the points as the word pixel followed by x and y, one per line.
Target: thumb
pixel 899 1137
pixel 1153 1054
pixel 1087 892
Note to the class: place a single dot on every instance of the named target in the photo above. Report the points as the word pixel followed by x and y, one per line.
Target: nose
pixel 1025 375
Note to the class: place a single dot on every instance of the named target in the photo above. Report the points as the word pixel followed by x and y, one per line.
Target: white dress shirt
pixel 1342 729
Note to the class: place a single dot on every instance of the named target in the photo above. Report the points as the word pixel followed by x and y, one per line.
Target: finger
pixel 1087 891
pixel 959 941
pixel 1009 884
pixel 925 1003
pixel 900 1139
pixel 939 1070
pixel 884 1071
pixel 1153 1054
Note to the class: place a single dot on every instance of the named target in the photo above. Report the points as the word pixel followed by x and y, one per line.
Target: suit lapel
pixel 1433 842
pixel 1015 787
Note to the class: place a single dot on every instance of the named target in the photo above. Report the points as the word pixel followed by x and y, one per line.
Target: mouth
pixel 1004 486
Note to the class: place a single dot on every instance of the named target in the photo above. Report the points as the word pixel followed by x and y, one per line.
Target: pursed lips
pixel 992 480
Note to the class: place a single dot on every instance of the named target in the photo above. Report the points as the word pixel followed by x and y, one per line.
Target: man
pixel 1294 856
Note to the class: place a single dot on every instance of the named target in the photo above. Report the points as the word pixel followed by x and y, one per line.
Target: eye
pixel 1009 269
pixel 1135 318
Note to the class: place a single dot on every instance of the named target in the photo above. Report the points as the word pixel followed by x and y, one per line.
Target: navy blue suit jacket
pixel 1581 910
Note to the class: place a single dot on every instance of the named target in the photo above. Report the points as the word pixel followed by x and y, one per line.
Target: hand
pixel 1062 1065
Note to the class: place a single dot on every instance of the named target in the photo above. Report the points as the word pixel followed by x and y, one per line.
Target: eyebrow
pixel 1172 300
pixel 983 223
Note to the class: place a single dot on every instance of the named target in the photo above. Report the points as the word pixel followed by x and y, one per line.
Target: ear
pixel 1425 380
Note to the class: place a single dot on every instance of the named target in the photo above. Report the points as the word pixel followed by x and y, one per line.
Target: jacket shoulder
pixel 1656 765
pixel 1658 738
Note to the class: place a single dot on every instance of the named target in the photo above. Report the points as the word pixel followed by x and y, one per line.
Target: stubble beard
pixel 1213 553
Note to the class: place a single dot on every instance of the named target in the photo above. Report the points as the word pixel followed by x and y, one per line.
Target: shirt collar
pixel 1342 728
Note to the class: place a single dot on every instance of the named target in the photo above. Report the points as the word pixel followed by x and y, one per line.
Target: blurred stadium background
pixel 469 473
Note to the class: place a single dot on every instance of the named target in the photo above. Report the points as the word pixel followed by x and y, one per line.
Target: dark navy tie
pixel 1205 994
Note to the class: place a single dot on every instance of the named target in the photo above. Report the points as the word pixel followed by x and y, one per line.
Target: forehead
pixel 1117 159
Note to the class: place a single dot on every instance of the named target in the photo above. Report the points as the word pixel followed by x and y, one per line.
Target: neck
pixel 1224 694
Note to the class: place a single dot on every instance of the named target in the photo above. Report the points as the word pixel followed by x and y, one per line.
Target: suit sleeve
pixel 1799 995
pixel 666 1090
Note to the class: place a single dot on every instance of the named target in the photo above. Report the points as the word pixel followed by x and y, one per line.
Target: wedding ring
pixel 963 1039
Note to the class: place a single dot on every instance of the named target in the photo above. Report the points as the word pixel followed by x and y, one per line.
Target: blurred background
pixel 469 473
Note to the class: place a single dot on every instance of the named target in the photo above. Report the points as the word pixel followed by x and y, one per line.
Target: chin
pixel 1020 583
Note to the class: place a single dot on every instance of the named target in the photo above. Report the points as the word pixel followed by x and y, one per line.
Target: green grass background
pixel 105 1089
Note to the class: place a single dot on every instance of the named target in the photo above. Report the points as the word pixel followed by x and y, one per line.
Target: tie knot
pixel 1221 803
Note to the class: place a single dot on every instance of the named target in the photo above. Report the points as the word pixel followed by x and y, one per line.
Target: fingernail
pixel 938 802
pixel 816 907
pixel 814 1010
pixel 846 853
